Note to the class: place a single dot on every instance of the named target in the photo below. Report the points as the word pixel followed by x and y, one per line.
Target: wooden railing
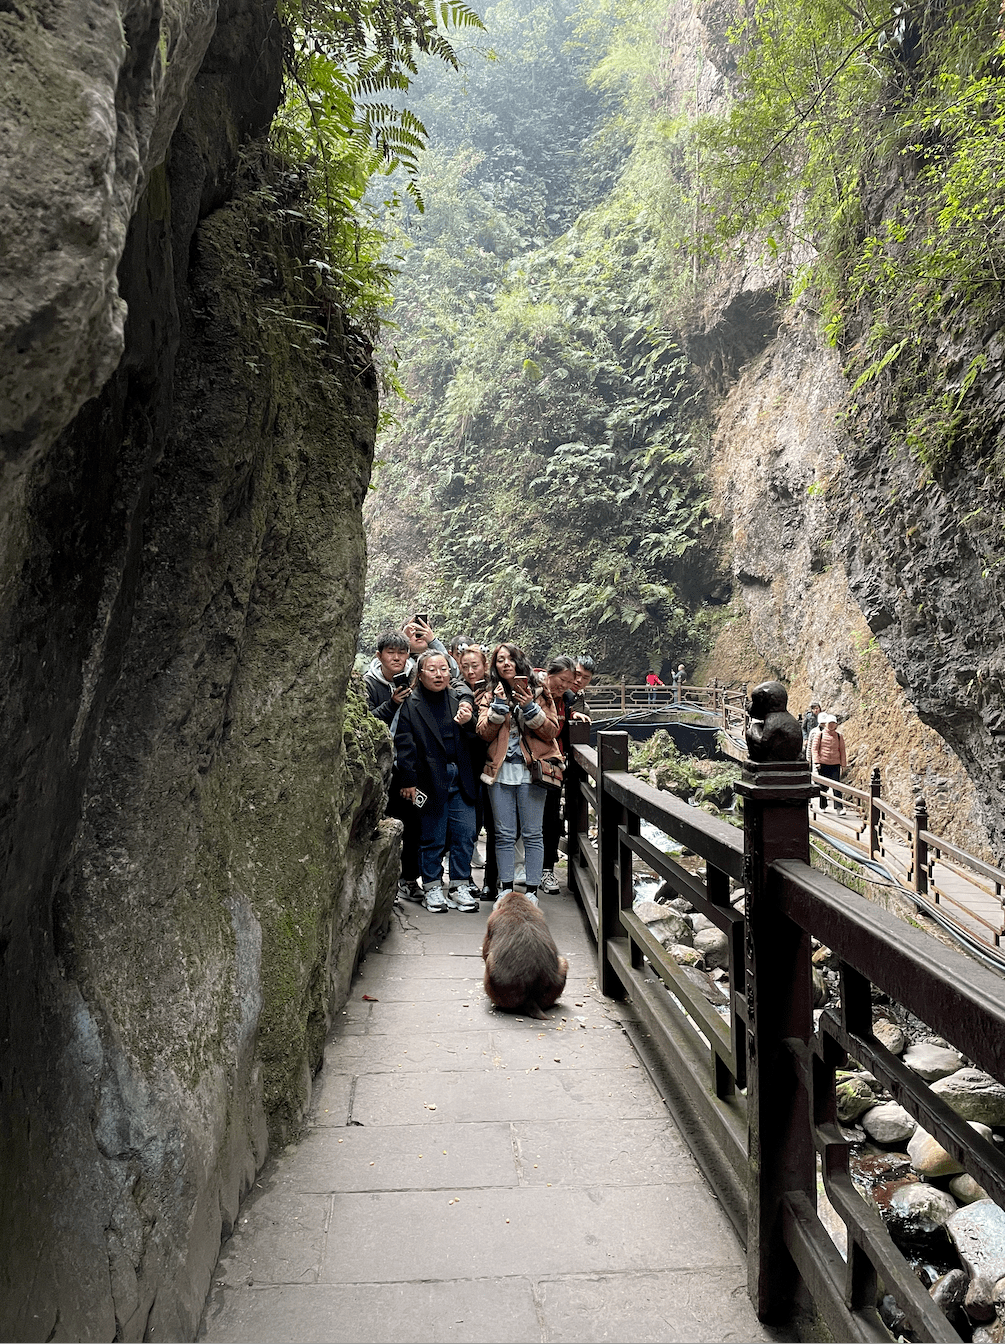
pixel 729 706
pixel 963 888
pixel 752 1077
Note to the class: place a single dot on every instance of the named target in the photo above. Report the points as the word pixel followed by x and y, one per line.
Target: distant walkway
pixel 468 1175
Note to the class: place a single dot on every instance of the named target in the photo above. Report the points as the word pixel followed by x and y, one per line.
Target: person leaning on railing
pixel 828 754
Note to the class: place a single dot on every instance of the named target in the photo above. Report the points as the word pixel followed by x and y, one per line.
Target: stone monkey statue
pixel 772 733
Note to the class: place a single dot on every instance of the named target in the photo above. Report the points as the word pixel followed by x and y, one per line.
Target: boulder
pixel 978 1233
pixel 965 1190
pixel 685 956
pixel 930 1158
pixel 713 945
pixel 890 1035
pixel 892 1315
pixel 665 924
pixel 888 1123
pixel 820 991
pixel 923 1203
pixel 931 1061
pixel 949 1291
pixel 854 1096
pixel 989 1334
pixel 974 1095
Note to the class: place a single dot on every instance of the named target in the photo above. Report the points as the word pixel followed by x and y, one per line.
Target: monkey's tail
pixel 533 1009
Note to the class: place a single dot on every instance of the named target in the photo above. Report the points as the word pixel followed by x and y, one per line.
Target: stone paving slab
pixel 471 1050
pixel 548 1196
pixel 408 1157
pixel 429 1235
pixel 601 1152
pixel 401 1099
pixel 465 1012
pixel 699 1307
pixel 469 1311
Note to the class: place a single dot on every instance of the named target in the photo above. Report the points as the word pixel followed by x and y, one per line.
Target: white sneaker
pixel 532 897
pixel 549 884
pixel 462 898
pixel 435 900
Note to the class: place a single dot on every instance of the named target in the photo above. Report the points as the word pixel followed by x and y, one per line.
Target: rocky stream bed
pixel 948 1229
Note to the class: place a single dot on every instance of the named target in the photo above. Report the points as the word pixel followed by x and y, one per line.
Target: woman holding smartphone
pixel 475 671
pixel 518 720
pixel 435 770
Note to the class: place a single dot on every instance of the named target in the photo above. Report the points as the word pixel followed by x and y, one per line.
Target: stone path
pixel 470 1175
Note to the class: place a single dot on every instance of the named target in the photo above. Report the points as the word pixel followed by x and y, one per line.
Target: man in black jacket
pixel 382 694
pixel 385 700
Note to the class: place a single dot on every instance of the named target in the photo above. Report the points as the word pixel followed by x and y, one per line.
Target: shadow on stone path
pixel 470 1175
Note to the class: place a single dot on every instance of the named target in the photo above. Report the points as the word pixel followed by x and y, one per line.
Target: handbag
pixel 550 773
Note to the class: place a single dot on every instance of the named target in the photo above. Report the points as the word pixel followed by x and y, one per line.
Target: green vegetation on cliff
pixel 863 145
pixel 596 179
pixel 544 477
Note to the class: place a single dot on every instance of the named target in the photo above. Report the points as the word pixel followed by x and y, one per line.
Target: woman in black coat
pixel 434 760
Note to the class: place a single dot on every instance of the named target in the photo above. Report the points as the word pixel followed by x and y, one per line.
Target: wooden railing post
pixel 623 703
pixel 612 754
pixel 920 847
pixel 779 1006
pixel 875 785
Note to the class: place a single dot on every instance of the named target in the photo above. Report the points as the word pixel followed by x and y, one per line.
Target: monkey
pixel 523 971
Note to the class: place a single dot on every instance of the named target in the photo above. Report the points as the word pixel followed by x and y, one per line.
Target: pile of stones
pixel 942 1220
pixel 944 1223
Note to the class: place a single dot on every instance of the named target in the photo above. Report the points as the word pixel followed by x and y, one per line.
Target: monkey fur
pixel 523 971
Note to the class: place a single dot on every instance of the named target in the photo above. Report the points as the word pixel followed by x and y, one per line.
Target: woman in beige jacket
pixel 518 720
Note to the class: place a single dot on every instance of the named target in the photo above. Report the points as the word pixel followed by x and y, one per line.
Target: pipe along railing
pixel 753 1087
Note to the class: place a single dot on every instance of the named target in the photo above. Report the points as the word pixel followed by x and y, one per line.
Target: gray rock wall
pixel 852 562
pixel 190 793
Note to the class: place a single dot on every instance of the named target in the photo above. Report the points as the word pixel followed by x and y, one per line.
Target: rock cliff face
pixel 189 811
pixel 781 482
pixel 861 577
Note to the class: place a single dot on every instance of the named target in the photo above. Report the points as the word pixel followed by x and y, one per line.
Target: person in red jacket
pixel 828 755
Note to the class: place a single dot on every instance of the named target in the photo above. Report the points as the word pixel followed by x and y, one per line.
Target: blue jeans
pixel 442 818
pixel 526 802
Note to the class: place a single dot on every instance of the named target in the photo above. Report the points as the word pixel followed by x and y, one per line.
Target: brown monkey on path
pixel 523 971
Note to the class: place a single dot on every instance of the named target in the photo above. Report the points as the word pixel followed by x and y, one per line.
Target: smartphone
pixel 420 798
pixel 522 683
pixel 419 616
pixel 480 684
pixel 400 680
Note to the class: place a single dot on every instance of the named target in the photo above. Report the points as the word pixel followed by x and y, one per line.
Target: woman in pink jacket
pixel 828 755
